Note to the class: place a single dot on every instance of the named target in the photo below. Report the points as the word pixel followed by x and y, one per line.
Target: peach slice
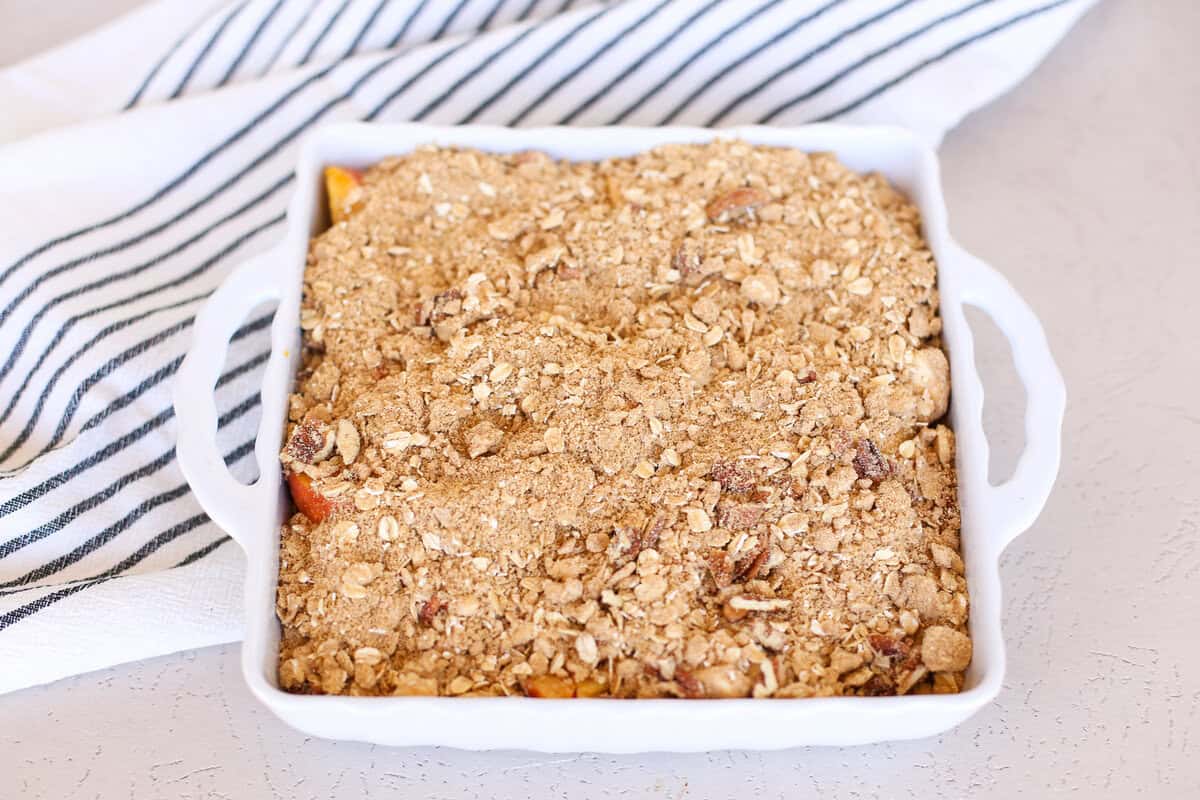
pixel 308 500
pixel 590 687
pixel 549 686
pixel 339 182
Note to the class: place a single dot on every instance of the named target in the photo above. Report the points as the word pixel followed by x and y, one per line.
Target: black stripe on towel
pixel 365 29
pixel 124 400
pixel 108 368
pixel 180 280
pixel 104 333
pixel 113 447
pixel 259 29
pixel 312 48
pixel 650 51
pixel 47 600
pixel 449 20
pixel 208 46
pixel 604 48
pixel 808 56
pixel 257 120
pixel 520 74
pixel 869 57
pixel 116 529
pixel 944 54
pixel 157 68
pixel 486 22
pixel 18 347
pixel 683 105
pixel 59 522
pixel 408 23
pixel 288 38
pixel 457 84
pixel 696 55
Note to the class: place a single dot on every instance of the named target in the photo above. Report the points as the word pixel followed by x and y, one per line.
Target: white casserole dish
pixel 991 515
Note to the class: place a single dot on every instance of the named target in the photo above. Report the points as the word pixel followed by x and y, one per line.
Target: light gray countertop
pixel 1083 186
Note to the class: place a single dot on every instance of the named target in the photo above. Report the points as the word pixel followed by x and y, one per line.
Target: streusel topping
pixel 666 425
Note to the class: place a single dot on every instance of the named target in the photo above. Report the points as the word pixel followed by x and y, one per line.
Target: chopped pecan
pixel 443 305
pixel 739 515
pixel 529 157
pixel 430 609
pixel 733 476
pixel 309 443
pixel 869 462
pixel 719 567
pixel 889 645
pixel 687 258
pixel 747 568
pixel 736 203
pixel 878 686
pixel 647 537
pixel 689 686
pixel 567 271
pixel 840 441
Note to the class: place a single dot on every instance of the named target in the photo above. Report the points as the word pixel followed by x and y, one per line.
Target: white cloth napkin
pixel 145 160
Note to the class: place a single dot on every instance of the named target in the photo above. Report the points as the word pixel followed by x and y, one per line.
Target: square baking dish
pixel 252 514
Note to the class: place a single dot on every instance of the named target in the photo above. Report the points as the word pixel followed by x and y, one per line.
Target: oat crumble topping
pixel 667 425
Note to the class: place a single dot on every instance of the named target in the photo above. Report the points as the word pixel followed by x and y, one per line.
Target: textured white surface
pixel 1083 186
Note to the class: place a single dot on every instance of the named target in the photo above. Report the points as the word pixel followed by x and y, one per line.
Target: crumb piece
pixel 482 439
pixel 945 649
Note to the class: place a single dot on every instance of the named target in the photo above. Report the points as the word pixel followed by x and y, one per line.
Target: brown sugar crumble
pixel 658 426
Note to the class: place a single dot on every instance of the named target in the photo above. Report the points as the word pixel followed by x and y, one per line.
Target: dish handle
pixel 1013 506
pixel 231 504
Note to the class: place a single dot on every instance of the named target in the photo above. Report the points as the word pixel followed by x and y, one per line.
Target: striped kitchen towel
pixel 144 161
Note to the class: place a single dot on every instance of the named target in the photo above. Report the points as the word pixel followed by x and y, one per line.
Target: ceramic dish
pixel 991 515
